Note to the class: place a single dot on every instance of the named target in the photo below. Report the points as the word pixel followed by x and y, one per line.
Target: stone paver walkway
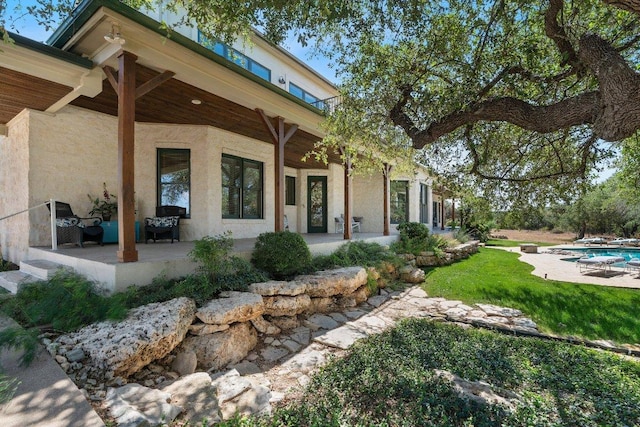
pixel 285 364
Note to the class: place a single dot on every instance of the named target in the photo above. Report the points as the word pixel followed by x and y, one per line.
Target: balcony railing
pixel 328 105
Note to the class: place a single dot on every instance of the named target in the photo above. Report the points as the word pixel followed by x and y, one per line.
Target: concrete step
pixel 41 269
pixel 14 280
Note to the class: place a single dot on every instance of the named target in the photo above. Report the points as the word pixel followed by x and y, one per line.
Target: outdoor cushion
pixel 162 221
pixel 69 222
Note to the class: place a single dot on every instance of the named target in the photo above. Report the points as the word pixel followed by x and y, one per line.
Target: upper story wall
pixel 285 69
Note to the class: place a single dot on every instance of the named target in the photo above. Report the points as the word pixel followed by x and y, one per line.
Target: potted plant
pixel 106 206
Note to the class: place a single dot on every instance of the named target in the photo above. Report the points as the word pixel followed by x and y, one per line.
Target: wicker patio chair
pixel 165 225
pixel 70 228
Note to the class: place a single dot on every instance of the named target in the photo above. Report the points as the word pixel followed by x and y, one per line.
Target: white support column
pixel 54 231
pixel 430 207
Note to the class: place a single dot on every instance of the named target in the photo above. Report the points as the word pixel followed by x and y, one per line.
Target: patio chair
pixel 165 225
pixel 600 263
pixel 633 265
pixel 339 224
pixel 70 228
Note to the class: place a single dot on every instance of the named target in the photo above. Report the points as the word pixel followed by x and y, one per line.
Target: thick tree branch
pixel 629 5
pixel 579 110
pixel 559 36
pixel 619 84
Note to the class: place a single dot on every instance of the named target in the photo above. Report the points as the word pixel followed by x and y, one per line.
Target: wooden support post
pixel 127 251
pixel 453 211
pixel 442 211
pixel 386 172
pixel 280 138
pixel 348 229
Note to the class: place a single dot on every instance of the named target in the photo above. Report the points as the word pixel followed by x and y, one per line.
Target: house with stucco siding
pixel 216 129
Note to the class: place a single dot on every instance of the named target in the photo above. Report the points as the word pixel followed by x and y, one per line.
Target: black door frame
pixel 310 181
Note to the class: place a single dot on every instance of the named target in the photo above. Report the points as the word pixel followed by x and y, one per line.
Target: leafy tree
pixel 509 90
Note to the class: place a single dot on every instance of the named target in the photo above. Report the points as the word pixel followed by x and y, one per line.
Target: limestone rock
pixel 286 306
pixel 135 405
pixel 409 274
pixel 265 327
pixel 285 322
pixel 275 287
pixel 194 394
pixel 479 391
pixel 341 281
pixel 215 351
pixel 205 328
pixel 323 305
pixel 148 333
pixel 230 385
pixel 231 307
pixel 360 295
pixel 185 362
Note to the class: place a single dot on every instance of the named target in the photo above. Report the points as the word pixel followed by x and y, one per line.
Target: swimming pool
pixel 626 253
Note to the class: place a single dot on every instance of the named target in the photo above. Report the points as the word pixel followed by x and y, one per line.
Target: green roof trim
pixel 53 52
pixel 81 14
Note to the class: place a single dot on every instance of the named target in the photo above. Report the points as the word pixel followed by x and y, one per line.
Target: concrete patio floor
pixel 100 263
pixel 551 266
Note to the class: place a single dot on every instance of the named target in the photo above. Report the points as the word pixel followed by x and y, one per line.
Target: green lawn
pixel 505 243
pixel 391 380
pixel 498 277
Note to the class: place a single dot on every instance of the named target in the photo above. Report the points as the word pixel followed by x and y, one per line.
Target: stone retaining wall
pixel 456 253
pixel 176 338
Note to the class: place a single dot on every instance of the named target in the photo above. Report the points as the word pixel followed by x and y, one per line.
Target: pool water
pixel 626 253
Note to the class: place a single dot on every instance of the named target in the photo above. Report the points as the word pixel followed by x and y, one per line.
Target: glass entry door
pixel 317 204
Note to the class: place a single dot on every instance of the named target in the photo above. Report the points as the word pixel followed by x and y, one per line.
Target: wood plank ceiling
pixel 19 91
pixel 171 103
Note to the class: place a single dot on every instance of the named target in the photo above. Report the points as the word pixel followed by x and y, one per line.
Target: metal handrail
pixel 54 232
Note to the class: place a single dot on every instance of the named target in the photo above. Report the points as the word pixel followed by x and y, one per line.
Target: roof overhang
pixel 83 34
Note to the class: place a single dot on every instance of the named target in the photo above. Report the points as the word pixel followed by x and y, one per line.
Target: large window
pixel 399 202
pixel 174 178
pixel 241 188
pixel 298 92
pixel 234 56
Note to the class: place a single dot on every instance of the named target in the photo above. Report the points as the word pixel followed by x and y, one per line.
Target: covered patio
pixel 101 264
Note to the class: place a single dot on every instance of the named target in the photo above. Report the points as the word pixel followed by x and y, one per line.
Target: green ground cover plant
pixel 390 380
pixel 356 253
pixel 589 311
pixel 506 243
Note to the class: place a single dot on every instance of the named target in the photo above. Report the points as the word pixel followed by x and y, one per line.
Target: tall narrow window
pixel 399 201
pixel 241 188
pixel 290 190
pixel 174 178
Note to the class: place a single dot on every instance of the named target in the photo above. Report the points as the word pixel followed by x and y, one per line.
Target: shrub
pixel 281 254
pixel 212 254
pixel 415 238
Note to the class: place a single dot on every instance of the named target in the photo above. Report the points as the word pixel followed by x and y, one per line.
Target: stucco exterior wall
pixel 72 153
pixel 14 178
pixel 368 199
pixel 368 202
